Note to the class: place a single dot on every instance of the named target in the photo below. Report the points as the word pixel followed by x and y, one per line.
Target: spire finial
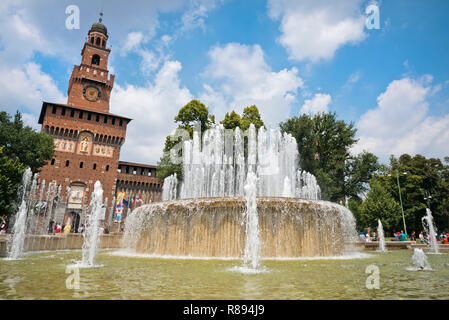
pixel 100 19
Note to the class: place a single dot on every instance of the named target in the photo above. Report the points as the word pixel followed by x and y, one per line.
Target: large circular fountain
pixel 240 200
pixel 213 227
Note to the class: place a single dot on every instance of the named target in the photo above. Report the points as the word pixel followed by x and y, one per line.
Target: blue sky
pixel 286 56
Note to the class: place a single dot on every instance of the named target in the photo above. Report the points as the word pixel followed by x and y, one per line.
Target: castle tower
pixel 86 135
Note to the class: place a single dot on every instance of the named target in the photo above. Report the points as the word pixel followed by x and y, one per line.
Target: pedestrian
pixel 403 235
pixel 362 237
pixel 421 237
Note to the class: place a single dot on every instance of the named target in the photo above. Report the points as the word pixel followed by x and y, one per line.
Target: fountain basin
pixel 212 227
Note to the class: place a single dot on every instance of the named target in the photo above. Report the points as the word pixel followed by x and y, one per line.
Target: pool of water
pixel 49 275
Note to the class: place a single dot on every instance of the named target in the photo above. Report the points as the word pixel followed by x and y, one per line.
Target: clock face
pixel 91 93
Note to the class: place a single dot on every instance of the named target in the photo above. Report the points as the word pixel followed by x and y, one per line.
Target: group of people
pixel 62 229
pixel 368 236
pixel 443 238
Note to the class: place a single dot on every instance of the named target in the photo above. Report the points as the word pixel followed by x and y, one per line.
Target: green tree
pixel 231 120
pixel 323 145
pixel 20 147
pixel 11 171
pixel 194 112
pixel 251 115
pixel 32 149
pixel 379 204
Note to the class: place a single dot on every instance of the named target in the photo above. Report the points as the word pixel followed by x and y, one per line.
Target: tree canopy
pixel 323 145
pixel 20 147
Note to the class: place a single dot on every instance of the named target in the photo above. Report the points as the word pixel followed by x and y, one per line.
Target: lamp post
pixel 400 197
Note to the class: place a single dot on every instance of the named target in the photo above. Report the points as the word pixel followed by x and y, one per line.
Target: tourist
pixel 67 228
pixel 403 236
pixel 413 237
pixel 445 239
pixel 3 226
pixel 421 237
pixel 396 236
pixel 374 237
pixel 362 236
pixel 58 228
pixel 81 229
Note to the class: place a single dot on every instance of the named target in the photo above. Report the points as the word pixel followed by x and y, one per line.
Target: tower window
pixel 63 112
pixel 95 59
pixel 92 40
pixel 104 43
pixel 54 110
pixel 81 115
pixel 52 162
pixel 81 164
pixel 97 42
pixel 89 116
pixel 97 118
pixel 67 163
pixel 107 168
pixel 105 119
pixel 113 121
pixel 121 122
pixel 95 166
pixel 72 113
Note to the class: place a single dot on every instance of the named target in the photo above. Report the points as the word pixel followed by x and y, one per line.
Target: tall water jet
pixel 431 230
pixel 92 233
pixel 381 236
pixel 252 244
pixel 419 260
pixel 20 223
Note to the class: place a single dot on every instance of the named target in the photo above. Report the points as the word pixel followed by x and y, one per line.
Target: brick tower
pixel 87 136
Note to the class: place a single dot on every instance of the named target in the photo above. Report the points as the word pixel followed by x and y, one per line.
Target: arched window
pixel 95 166
pixel 104 43
pixel 96 59
pixel 92 40
pixel 97 42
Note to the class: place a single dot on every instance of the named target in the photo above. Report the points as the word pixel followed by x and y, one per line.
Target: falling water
pixel 20 224
pixel 92 233
pixel 431 230
pixel 380 234
pixel 252 244
pixel 419 260
pixel 216 166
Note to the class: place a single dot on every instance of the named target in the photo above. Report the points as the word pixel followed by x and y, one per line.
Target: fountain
pixel 202 216
pixel 420 260
pixel 380 234
pixel 20 223
pixel 92 233
pixel 431 230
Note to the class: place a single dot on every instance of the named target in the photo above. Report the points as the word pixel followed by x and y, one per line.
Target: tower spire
pixel 101 15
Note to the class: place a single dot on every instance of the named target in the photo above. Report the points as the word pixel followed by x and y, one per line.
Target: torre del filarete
pixel 88 139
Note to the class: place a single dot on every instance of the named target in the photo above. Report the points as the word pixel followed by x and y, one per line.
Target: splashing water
pixel 380 234
pixel 419 260
pixel 431 230
pixel 20 224
pixel 92 233
pixel 217 165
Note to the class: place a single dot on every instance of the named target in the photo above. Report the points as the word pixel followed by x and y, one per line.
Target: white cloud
pixel 315 29
pixel 132 42
pixel 152 108
pixel 26 88
pixel 240 77
pixel 198 11
pixel 401 122
pixel 319 103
